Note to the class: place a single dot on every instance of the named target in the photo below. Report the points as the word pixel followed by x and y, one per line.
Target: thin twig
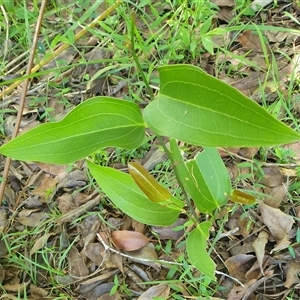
pixel 162 262
pixel 24 92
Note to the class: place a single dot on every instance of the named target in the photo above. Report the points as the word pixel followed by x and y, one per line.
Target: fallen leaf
pixel 161 291
pixel 292 270
pixel 146 256
pixel 100 290
pixel 259 247
pixel 279 224
pixel 40 243
pixel 52 168
pixel 77 266
pixel 275 195
pixel 129 240
pixel 238 265
pixel 37 292
pixel 32 218
pixel 238 292
pixel 272 177
pixel 95 252
pixel 88 285
pixel 107 296
pixel 2 274
pixel 168 232
pixel 79 211
pixel 250 40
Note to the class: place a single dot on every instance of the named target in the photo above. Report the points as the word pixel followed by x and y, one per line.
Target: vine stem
pixel 159 138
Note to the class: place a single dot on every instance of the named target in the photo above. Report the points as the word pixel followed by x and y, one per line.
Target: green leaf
pixel 212 179
pixel 241 197
pixel 199 109
pixel 204 178
pixel 196 250
pixel 96 123
pixel 183 174
pixel 151 188
pixel 126 195
pixel 147 183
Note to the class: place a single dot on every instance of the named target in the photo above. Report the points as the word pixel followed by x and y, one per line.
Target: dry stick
pixel 24 92
pixel 31 70
pixel 63 47
pixel 159 261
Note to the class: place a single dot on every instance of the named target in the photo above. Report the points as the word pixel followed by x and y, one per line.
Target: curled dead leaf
pixel 129 240
pixel 279 224
pixel 161 291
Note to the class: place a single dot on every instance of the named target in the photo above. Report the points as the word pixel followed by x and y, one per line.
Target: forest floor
pixel 58 229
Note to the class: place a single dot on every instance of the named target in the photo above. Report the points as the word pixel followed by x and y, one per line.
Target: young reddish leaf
pixel 241 197
pixel 146 182
pixel 129 240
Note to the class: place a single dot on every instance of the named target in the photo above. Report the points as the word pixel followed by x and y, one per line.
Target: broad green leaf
pixel 204 178
pixel 126 195
pixel 196 250
pixel 199 109
pixel 96 123
pixel 212 179
pixel 183 174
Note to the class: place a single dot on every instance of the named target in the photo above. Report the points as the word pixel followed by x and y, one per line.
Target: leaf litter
pixel 92 247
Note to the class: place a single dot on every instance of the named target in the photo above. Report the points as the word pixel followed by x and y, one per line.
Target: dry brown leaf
pixel 3 218
pixel 37 292
pixel 295 147
pixel 70 216
pixel 95 252
pixel 40 242
pixel 228 3
pixel 32 218
pixel 279 224
pixel 248 152
pixel 88 285
pixel 238 265
pixel 77 266
pixel 238 292
pixel 250 40
pixel 168 232
pixel 259 248
pixel 16 287
pixel 146 256
pixel 161 291
pixel 100 290
pixel 2 274
pixel 107 296
pixel 117 261
pixel 52 168
pixel 137 226
pixel 129 240
pixel 292 269
pixel 46 188
pixel 272 177
pixel 73 179
pixel 275 195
